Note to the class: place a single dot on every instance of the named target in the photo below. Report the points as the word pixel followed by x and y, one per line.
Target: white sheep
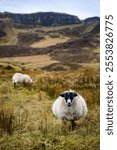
pixel 69 106
pixel 21 78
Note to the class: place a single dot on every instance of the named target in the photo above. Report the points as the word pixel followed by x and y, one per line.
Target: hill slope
pixel 69 46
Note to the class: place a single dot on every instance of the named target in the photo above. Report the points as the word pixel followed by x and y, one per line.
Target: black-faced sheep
pixel 21 78
pixel 69 106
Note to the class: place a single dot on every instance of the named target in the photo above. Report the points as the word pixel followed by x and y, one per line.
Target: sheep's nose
pixel 69 102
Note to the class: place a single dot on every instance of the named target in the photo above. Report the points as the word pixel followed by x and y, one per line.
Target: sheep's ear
pixel 62 94
pixel 75 94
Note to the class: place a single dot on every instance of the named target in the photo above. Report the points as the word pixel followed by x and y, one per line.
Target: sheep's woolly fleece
pixel 77 110
pixel 21 78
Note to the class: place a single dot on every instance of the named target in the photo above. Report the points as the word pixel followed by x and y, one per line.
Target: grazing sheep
pixel 69 106
pixel 21 78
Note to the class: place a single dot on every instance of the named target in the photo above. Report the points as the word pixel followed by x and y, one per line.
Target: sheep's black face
pixel 69 97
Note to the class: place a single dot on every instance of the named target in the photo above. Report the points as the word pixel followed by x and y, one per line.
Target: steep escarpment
pixel 42 18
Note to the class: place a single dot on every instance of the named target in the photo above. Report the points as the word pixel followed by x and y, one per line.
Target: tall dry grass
pixel 7 119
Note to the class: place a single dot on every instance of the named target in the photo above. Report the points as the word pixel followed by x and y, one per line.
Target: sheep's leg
pixel 72 124
pixel 64 126
pixel 14 84
pixel 24 84
pixel 64 123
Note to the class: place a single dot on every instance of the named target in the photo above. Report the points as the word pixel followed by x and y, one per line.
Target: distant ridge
pixel 42 18
pixel 92 19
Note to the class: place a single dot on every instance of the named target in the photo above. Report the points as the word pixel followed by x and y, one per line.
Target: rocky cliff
pixel 42 18
pixel 92 20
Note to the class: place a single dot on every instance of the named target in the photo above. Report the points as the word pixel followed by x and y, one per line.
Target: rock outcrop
pixel 42 18
pixel 92 20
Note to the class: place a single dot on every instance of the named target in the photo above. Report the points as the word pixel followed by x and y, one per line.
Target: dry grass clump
pixel 6 119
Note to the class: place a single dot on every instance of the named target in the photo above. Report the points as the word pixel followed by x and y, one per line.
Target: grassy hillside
pixel 57 59
pixel 27 122
pixel 70 45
